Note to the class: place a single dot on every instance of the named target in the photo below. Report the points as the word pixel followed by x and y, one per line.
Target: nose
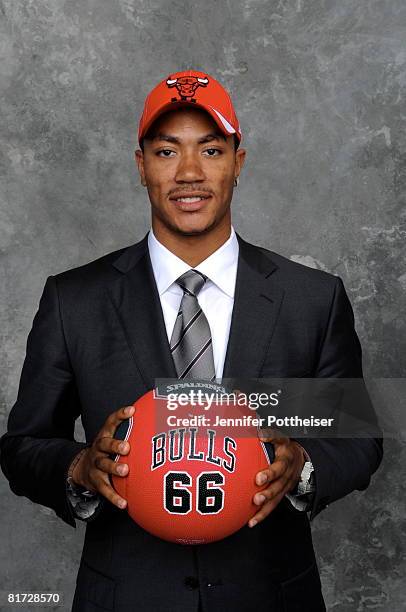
pixel 189 168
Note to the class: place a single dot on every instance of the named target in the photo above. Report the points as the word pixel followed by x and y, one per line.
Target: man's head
pixel 186 153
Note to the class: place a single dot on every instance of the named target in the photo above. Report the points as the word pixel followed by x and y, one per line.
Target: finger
pixel 106 465
pixel 238 393
pixel 114 420
pixel 276 437
pixel 281 485
pixel 119 415
pixel 284 459
pixel 112 446
pixel 276 470
pixel 283 450
pixel 270 433
pixel 266 509
pixel 105 489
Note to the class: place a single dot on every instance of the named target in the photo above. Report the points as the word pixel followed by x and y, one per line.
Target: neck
pixel 195 248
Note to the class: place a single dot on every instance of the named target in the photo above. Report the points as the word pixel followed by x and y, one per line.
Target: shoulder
pixel 299 271
pixel 92 272
pixel 82 289
pixel 304 288
pixel 102 270
pixel 286 270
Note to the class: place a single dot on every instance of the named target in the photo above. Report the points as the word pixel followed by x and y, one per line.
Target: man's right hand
pixel 93 468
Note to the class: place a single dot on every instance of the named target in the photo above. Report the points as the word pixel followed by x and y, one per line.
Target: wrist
pixel 302 453
pixel 74 468
pixel 303 458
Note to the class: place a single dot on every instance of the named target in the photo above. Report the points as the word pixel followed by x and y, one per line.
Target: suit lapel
pixel 136 300
pixel 257 303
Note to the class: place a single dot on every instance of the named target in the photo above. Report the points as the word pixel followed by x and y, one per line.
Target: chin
pixel 193 226
pixel 194 229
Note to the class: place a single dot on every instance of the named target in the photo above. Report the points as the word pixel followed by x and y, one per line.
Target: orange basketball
pixel 190 482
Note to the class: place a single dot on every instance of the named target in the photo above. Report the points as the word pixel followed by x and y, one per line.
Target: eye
pixel 213 152
pixel 165 151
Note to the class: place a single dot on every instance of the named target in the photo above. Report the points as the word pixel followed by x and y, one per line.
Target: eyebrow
pixel 206 138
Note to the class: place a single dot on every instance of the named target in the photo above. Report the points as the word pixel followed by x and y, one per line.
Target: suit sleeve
pixel 341 465
pixel 39 445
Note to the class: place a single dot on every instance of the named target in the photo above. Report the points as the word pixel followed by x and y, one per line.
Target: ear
pixel 239 160
pixel 139 158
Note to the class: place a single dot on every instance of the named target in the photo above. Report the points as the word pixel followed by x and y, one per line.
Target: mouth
pixel 190 203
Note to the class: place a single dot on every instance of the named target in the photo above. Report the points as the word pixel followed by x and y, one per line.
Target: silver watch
pixel 306 482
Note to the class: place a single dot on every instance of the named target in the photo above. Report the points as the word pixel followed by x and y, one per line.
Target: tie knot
pixel 192 281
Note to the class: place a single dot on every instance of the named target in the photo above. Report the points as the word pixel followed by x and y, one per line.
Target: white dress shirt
pixel 216 298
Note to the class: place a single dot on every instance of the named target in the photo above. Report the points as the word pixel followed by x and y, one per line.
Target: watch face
pixel 78 489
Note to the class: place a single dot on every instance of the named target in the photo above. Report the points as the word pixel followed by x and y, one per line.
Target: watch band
pixel 76 461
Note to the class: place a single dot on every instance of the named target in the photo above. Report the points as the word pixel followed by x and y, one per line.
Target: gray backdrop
pixel 319 89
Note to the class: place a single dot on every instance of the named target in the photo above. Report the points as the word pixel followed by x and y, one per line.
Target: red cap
pixel 196 89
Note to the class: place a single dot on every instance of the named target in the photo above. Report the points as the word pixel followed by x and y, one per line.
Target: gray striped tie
pixel 191 344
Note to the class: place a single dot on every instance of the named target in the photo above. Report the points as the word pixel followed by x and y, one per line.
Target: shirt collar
pixel 220 267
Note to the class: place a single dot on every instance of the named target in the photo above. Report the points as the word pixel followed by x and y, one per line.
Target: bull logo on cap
pixel 186 87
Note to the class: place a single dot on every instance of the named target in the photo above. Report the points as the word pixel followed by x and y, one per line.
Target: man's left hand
pixel 282 476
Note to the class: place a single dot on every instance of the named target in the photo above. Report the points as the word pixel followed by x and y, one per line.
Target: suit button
pixel 191 583
pixel 214 583
pixel 323 503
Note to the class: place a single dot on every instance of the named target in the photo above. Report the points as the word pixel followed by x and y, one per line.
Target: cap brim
pixel 225 127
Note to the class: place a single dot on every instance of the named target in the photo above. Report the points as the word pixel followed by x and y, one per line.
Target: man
pixel 105 331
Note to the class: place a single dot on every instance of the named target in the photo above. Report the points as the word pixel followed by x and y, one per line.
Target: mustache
pixel 189 190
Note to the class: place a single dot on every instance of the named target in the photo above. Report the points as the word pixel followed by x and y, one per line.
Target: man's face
pixel 186 156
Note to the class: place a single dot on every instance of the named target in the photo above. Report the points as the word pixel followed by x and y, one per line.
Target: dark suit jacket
pixel 97 343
